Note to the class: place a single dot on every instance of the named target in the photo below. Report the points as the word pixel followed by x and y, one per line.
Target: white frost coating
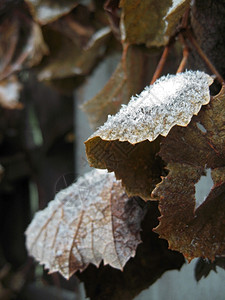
pixel 171 100
pixel 82 225
pixel 203 188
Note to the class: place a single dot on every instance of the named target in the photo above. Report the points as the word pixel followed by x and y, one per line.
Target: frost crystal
pixel 171 100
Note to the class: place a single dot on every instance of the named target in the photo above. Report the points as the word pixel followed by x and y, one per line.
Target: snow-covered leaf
pixel 90 221
pixel 192 223
pixel 127 143
pixel 171 100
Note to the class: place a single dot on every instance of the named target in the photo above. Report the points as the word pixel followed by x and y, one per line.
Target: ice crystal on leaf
pixel 171 100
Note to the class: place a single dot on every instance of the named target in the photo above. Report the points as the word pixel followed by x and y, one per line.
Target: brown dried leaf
pixel 174 14
pixel 45 11
pixel 10 93
pixel 123 145
pixel 137 165
pixel 126 81
pixel 149 21
pixel 90 221
pixel 21 45
pixel 77 26
pixel 194 226
pixel 67 59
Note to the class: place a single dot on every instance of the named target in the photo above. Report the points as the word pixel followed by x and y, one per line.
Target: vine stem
pixel 161 64
pixel 185 54
pixel 194 42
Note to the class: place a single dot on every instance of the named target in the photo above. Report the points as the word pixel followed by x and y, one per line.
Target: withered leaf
pixel 149 21
pixel 45 11
pixel 77 26
pixel 195 228
pixel 174 14
pixel 126 81
pixel 21 45
pixel 67 59
pixel 123 145
pixel 90 221
pixel 10 93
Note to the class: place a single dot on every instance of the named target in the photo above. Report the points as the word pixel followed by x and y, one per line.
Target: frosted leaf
pixel 90 221
pixel 171 100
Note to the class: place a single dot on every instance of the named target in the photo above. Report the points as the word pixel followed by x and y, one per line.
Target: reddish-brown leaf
pixel 193 226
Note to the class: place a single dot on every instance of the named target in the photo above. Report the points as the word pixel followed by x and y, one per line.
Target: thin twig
pixel 193 41
pixel 185 54
pixel 161 64
pixel 184 21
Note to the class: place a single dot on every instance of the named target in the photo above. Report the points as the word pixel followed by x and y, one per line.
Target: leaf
pixel 10 93
pixel 126 81
pixel 45 11
pixel 90 221
pixel 123 145
pixel 192 226
pixel 67 59
pixel 174 14
pixel 78 25
pixel 149 21
pixel 21 45
pixel 152 259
